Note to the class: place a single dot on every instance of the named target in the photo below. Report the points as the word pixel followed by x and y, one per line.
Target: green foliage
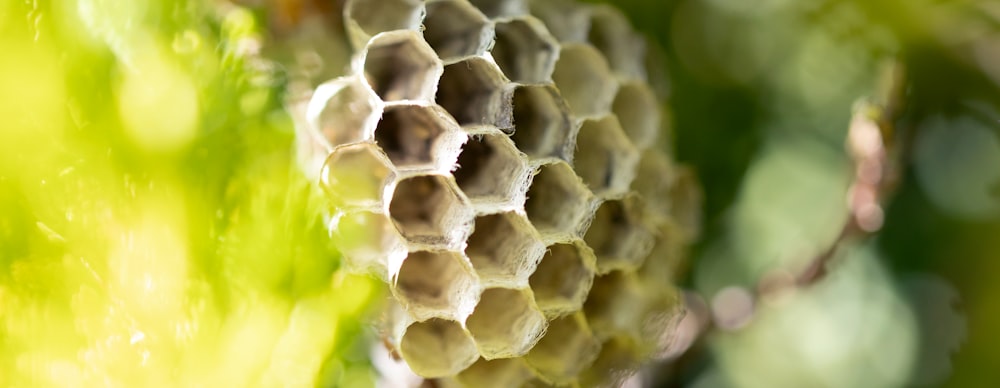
pixel 154 229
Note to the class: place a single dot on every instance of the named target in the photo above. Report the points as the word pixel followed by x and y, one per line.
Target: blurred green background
pixel 762 95
pixel 154 230
pixel 151 131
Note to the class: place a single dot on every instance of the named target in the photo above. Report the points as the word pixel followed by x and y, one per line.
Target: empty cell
pixel 437 348
pixel 343 111
pixel 400 66
pixel 538 382
pixel 501 8
pixel 506 323
pixel 612 34
pixel 585 80
pixel 542 123
pixel 657 73
pixel 567 348
pixel 619 359
pixel 368 242
pixel 455 29
pixel 418 137
pixel 491 170
pixel 356 175
pixel 499 373
pixel 558 204
pixel 436 283
pixel 428 209
pixel 524 50
pixel 563 278
pixel 565 19
pixel 618 235
pixel 367 18
pixel 653 181
pixel 311 148
pixel 661 319
pixel 616 305
pixel 639 113
pixel 503 249
pixel 475 92
pixel 662 265
pixel 605 159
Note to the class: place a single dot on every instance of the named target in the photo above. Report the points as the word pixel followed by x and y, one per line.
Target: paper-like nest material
pixel 500 164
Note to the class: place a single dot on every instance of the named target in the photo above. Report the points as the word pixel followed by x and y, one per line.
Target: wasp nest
pixel 500 164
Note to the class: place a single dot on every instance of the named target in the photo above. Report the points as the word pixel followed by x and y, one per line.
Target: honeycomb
pixel 500 165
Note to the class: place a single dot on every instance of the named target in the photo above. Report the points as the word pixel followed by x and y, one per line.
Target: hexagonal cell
pixel 567 348
pixel 475 92
pixel 563 278
pixel 558 204
pixel 437 348
pixel 367 18
pixel 368 242
pixel 499 373
pixel 585 80
pixel 436 284
pixel 428 209
pixel 542 123
pixel 506 323
pixel 311 149
pixel 456 29
pixel 653 182
pixel 618 235
pixel 419 137
pixel 639 113
pixel 616 305
pixel 399 65
pixel 538 382
pixel 657 76
pixel 612 34
pixel 503 249
pixel 292 40
pixel 661 317
pixel 501 8
pixel 525 51
pixel 343 111
pixel 605 159
pixel 662 265
pixel 491 170
pixel 356 175
pixel 619 359
pixel 565 19
pixel 686 198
